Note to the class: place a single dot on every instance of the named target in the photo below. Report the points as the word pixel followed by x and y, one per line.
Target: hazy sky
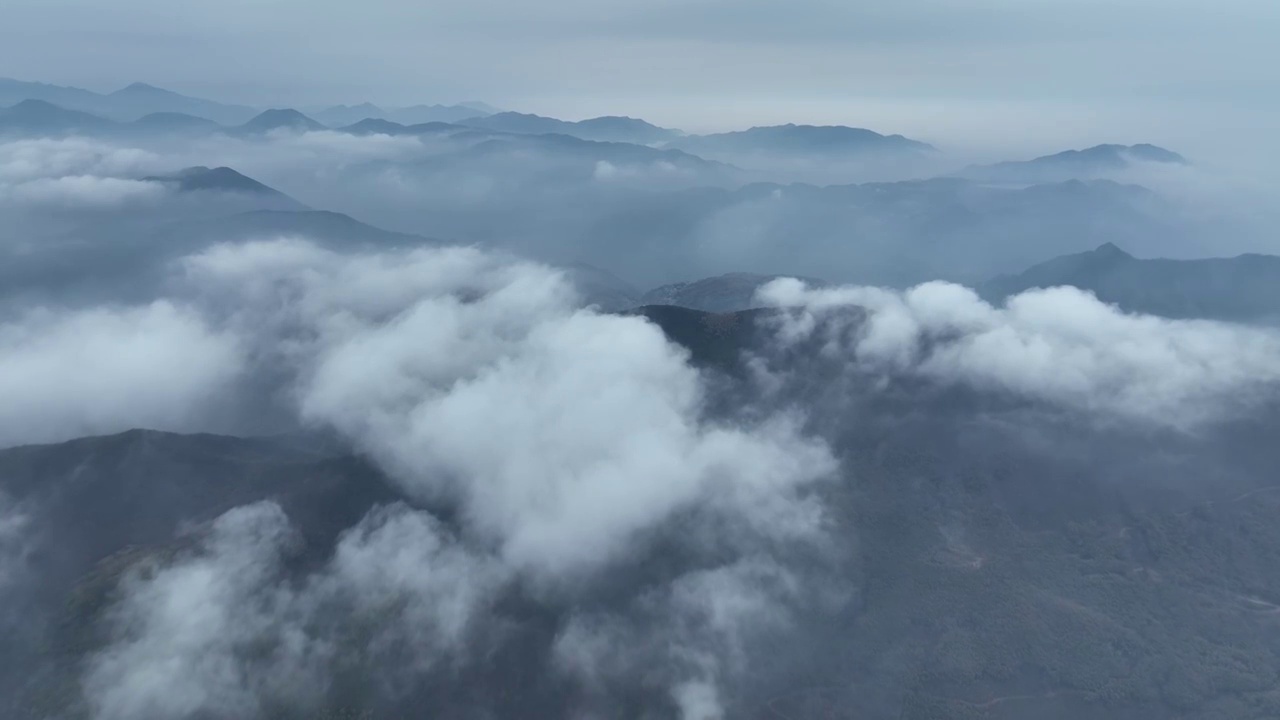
pixel 697 63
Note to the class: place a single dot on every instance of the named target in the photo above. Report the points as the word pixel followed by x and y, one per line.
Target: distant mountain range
pixel 30 117
pixel 140 99
pixel 603 129
pixel 540 162
pixel 127 255
pixel 1239 289
pixel 1243 288
pixel 143 109
pixel 375 126
pixel 1095 162
pixel 812 140
pixel 37 116
pixel 124 105
pixel 895 234
pixel 417 114
pixel 139 109
pixel 40 117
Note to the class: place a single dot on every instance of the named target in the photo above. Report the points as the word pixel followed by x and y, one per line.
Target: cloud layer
pixel 569 457
pixel 562 432
pixel 75 173
pixel 566 443
pixel 1061 345
pixel 105 370
pixel 223 631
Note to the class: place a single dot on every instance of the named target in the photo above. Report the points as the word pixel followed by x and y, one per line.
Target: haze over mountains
pixel 515 170
pixel 360 412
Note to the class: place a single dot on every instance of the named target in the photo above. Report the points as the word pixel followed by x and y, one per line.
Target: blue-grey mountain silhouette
pixel 1243 288
pixel 278 119
pixel 1099 161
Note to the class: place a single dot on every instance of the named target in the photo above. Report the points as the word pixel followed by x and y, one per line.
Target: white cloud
pixel 105 370
pixel 696 633
pixel 564 438
pixel 76 173
pixel 220 631
pixel 83 191
pixel 564 433
pixel 1060 345
pixel 188 630
pixel 398 558
pixel 26 160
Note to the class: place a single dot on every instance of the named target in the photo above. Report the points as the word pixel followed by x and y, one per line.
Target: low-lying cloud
pixel 32 159
pixel 83 191
pixel 105 370
pixel 563 432
pixel 222 630
pixel 561 449
pixel 567 444
pixel 76 173
pixel 1060 345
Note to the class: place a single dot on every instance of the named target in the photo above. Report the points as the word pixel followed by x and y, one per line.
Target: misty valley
pixel 448 411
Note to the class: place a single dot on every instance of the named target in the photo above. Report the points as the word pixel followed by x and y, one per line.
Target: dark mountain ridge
pixel 222 179
pixel 1242 288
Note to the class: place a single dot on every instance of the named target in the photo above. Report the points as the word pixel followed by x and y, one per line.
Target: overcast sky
pixel 1125 64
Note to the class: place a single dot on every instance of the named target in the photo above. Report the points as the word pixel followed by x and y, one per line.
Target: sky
pixel 1071 65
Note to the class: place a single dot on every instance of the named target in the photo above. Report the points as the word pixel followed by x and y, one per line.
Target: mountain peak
pixel 281 118
pixel 225 179
pixel 40 115
pixel 1155 153
pixel 1109 249
pixel 479 106
pixel 1095 162
pixel 1118 154
pixel 140 88
pixel 33 106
